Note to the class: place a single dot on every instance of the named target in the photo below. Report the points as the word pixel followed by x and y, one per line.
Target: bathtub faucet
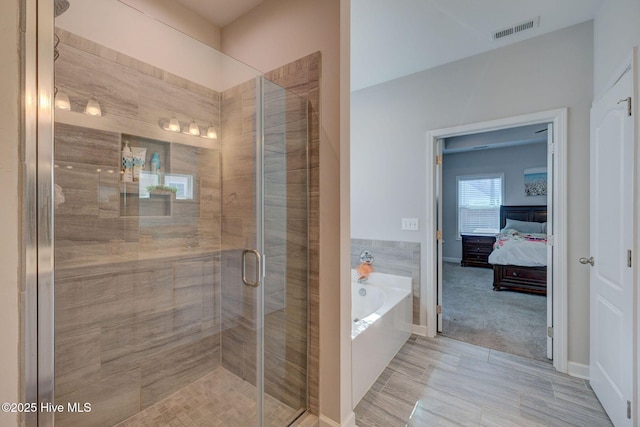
pixel 362 279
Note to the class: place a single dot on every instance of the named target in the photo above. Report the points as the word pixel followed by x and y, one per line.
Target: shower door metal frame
pixel 37 30
pixel 259 206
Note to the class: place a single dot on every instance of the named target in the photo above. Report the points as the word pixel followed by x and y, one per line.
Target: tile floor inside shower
pixel 220 398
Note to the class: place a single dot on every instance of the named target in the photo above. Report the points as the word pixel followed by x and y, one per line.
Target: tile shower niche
pixel 153 190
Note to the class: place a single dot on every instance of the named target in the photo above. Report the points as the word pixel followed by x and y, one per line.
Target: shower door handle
pixel 258 267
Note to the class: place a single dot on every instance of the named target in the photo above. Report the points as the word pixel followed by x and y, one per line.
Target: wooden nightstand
pixel 476 249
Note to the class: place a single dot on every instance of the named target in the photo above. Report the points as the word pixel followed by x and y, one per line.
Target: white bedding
pixel 516 248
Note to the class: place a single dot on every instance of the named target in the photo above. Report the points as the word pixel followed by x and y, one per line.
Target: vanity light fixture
pixel 191 129
pixel 194 129
pixel 174 125
pixel 61 101
pixel 211 132
pixel 93 108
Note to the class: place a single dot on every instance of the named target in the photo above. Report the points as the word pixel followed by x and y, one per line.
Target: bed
pixel 525 270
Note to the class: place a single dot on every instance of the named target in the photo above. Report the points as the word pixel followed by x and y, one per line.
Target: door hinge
pixel 550 331
pixel 438 234
pixel 438 160
pixel 628 101
pixel 628 409
pixel 439 309
pixel 628 257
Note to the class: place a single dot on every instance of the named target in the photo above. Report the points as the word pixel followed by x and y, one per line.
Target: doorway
pixel 557 303
pixel 482 172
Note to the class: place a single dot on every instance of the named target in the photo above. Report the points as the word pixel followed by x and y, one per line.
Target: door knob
pixel 589 260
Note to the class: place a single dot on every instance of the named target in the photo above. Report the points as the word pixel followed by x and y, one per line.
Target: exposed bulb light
pixel 93 108
pixel 174 125
pixel 194 129
pixel 211 132
pixel 61 101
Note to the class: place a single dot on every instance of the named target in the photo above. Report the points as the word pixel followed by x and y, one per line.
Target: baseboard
pixel 578 370
pixel 454 260
pixel 419 330
pixel 324 421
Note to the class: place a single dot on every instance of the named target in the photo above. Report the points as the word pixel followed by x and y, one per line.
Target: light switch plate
pixel 410 224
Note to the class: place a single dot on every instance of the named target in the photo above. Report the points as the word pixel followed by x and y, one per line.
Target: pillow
pixel 526 226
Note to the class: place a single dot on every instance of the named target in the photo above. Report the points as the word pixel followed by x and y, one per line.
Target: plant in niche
pixel 161 189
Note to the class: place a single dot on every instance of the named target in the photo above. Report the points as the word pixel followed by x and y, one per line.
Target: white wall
pixel 278 32
pixel 616 30
pixel 510 161
pixel 389 124
pixel 9 225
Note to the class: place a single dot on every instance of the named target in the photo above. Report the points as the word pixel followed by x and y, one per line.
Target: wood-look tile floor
pixel 444 382
pixel 217 399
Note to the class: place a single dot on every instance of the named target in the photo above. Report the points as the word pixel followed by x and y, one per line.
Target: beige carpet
pixel 513 322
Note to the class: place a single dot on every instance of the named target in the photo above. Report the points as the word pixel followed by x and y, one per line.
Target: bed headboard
pixel 523 213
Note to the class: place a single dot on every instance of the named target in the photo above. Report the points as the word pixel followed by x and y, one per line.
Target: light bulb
pixel 93 108
pixel 194 129
pixel 174 125
pixel 211 132
pixel 62 102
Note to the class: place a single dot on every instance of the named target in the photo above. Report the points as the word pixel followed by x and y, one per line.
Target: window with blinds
pixel 479 200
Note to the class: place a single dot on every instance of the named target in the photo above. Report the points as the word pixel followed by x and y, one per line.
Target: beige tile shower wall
pixel 400 258
pixel 137 303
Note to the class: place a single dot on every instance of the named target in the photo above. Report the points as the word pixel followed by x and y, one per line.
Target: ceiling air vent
pixel 518 28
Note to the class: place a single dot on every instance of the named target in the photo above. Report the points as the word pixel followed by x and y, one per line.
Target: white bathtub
pixel 381 325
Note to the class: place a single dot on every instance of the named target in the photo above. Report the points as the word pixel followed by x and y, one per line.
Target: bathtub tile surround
pixel 139 300
pixel 399 258
pixel 447 382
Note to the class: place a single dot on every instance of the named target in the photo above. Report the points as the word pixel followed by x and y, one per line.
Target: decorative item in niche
pixel 161 189
pixel 147 180
pixel 183 183
pixel 127 163
pixel 139 155
pixel 535 181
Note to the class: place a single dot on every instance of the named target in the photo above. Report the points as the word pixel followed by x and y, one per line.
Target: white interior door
pixel 439 240
pixel 550 231
pixel 612 231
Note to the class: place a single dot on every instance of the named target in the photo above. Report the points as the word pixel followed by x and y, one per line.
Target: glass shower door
pixel 286 244
pixel 265 247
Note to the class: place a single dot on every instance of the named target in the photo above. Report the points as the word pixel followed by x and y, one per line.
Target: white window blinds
pixel 479 200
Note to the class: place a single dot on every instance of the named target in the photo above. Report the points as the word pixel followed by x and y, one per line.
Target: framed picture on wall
pixel 535 181
pixel 184 184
